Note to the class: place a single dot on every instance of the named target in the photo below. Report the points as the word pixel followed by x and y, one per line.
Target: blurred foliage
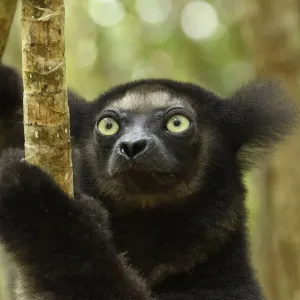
pixel 109 42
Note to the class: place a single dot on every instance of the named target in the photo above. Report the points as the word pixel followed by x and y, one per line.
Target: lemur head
pixel 155 141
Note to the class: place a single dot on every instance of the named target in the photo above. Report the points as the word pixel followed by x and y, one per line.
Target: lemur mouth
pixel 146 179
pixel 142 173
pixel 137 180
pixel 135 170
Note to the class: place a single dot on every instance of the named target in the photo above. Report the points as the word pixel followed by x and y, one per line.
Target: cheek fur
pixel 183 150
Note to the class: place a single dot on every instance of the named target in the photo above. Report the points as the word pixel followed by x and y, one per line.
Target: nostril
pixel 131 149
pixel 125 149
pixel 138 147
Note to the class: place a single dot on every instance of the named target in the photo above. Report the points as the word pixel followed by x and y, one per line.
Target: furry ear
pixel 11 92
pixel 255 118
pixel 11 108
pixel 78 108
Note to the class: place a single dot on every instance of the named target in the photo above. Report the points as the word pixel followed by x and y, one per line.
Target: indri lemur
pixel 159 205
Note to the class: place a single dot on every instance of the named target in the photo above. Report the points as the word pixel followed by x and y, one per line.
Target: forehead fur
pixel 146 98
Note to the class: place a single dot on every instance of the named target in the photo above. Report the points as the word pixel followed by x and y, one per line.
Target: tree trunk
pixel 272 35
pixel 7 12
pixel 46 112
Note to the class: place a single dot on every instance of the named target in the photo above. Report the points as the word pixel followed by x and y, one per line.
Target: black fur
pixel 11 118
pixel 194 247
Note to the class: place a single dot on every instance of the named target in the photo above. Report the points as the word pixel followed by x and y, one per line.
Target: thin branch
pixel 46 111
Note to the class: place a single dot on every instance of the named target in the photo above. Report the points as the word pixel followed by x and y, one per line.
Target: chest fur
pixel 159 249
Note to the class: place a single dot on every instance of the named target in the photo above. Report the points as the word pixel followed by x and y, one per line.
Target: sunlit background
pixel 110 42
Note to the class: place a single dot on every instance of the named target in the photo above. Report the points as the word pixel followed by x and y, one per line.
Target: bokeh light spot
pixel 107 13
pixel 154 11
pixel 87 52
pixel 199 20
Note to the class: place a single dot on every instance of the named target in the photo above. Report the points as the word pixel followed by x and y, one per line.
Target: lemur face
pixel 146 145
pixel 153 142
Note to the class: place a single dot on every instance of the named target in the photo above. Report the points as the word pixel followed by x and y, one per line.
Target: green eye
pixel 178 124
pixel 108 126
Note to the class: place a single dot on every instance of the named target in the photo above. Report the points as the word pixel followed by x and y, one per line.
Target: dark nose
pixel 133 148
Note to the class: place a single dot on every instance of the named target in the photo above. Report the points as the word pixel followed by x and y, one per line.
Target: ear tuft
pixel 11 92
pixel 256 118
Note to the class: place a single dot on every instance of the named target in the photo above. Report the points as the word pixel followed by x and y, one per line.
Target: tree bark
pixel 272 36
pixel 46 112
pixel 7 12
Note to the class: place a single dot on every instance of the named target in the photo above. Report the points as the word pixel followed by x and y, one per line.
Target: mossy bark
pixel 272 36
pixel 7 12
pixel 46 111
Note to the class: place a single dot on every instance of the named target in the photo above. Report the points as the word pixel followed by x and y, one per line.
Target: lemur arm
pixel 63 248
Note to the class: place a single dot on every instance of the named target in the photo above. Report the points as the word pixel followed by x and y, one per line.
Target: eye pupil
pixel 176 122
pixel 109 125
